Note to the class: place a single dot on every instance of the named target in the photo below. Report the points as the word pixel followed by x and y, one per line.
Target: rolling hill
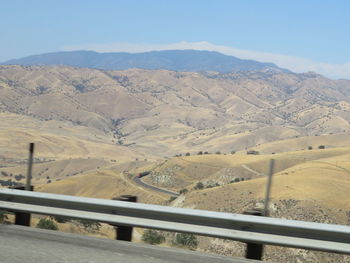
pixel 95 129
pixel 164 113
pixel 307 185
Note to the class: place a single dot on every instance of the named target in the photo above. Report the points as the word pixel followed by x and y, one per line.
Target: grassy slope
pixel 58 140
pixel 103 184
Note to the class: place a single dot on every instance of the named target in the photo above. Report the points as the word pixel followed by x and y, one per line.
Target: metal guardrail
pixel 245 228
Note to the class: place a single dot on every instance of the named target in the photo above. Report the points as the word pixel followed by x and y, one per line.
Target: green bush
pixel 153 237
pixel 186 240
pixel 47 223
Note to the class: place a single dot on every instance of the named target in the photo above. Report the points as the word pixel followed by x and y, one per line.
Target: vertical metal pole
pixel 254 250
pixel 22 218
pixel 268 187
pixel 124 232
pixel 30 165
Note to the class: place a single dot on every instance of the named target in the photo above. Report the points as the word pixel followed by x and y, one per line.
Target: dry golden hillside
pixel 104 184
pixel 307 185
pixel 94 130
pixel 163 113
pixel 57 140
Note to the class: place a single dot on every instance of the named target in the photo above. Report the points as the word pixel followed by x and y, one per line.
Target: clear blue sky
pixel 317 30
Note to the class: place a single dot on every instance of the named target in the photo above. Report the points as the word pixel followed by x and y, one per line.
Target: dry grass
pixel 104 184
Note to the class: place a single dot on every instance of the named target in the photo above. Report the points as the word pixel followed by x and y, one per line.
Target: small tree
pixel 199 186
pixel 47 223
pixel 200 153
pixel 253 152
pixel 309 148
pixel 186 240
pixel 188 154
pixel 183 191
pixel 321 147
pixel 153 237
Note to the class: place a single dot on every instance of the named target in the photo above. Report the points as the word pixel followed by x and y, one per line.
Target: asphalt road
pixel 30 245
pixel 140 182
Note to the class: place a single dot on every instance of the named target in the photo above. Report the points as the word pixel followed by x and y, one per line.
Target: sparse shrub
pixel 153 237
pixel 236 180
pixel 3 217
pixel 309 148
pixel 89 225
pixel 172 198
pixel 253 152
pixel 8 183
pixel 61 219
pixel 186 240
pixel 218 152
pixel 47 223
pixel 206 153
pixel 17 178
pixel 183 191
pixel 199 186
pixel 188 154
pixel 321 147
pixel 200 153
pixel 213 185
pixel 233 152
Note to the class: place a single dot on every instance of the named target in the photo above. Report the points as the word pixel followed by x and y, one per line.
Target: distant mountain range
pixel 177 60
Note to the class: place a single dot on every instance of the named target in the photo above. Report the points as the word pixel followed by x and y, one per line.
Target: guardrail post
pixel 22 219
pixel 254 250
pixel 124 232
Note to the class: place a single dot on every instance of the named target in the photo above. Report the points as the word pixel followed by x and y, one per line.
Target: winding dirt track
pixel 143 184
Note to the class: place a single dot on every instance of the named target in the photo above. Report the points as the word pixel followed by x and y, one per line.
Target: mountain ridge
pixel 176 60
